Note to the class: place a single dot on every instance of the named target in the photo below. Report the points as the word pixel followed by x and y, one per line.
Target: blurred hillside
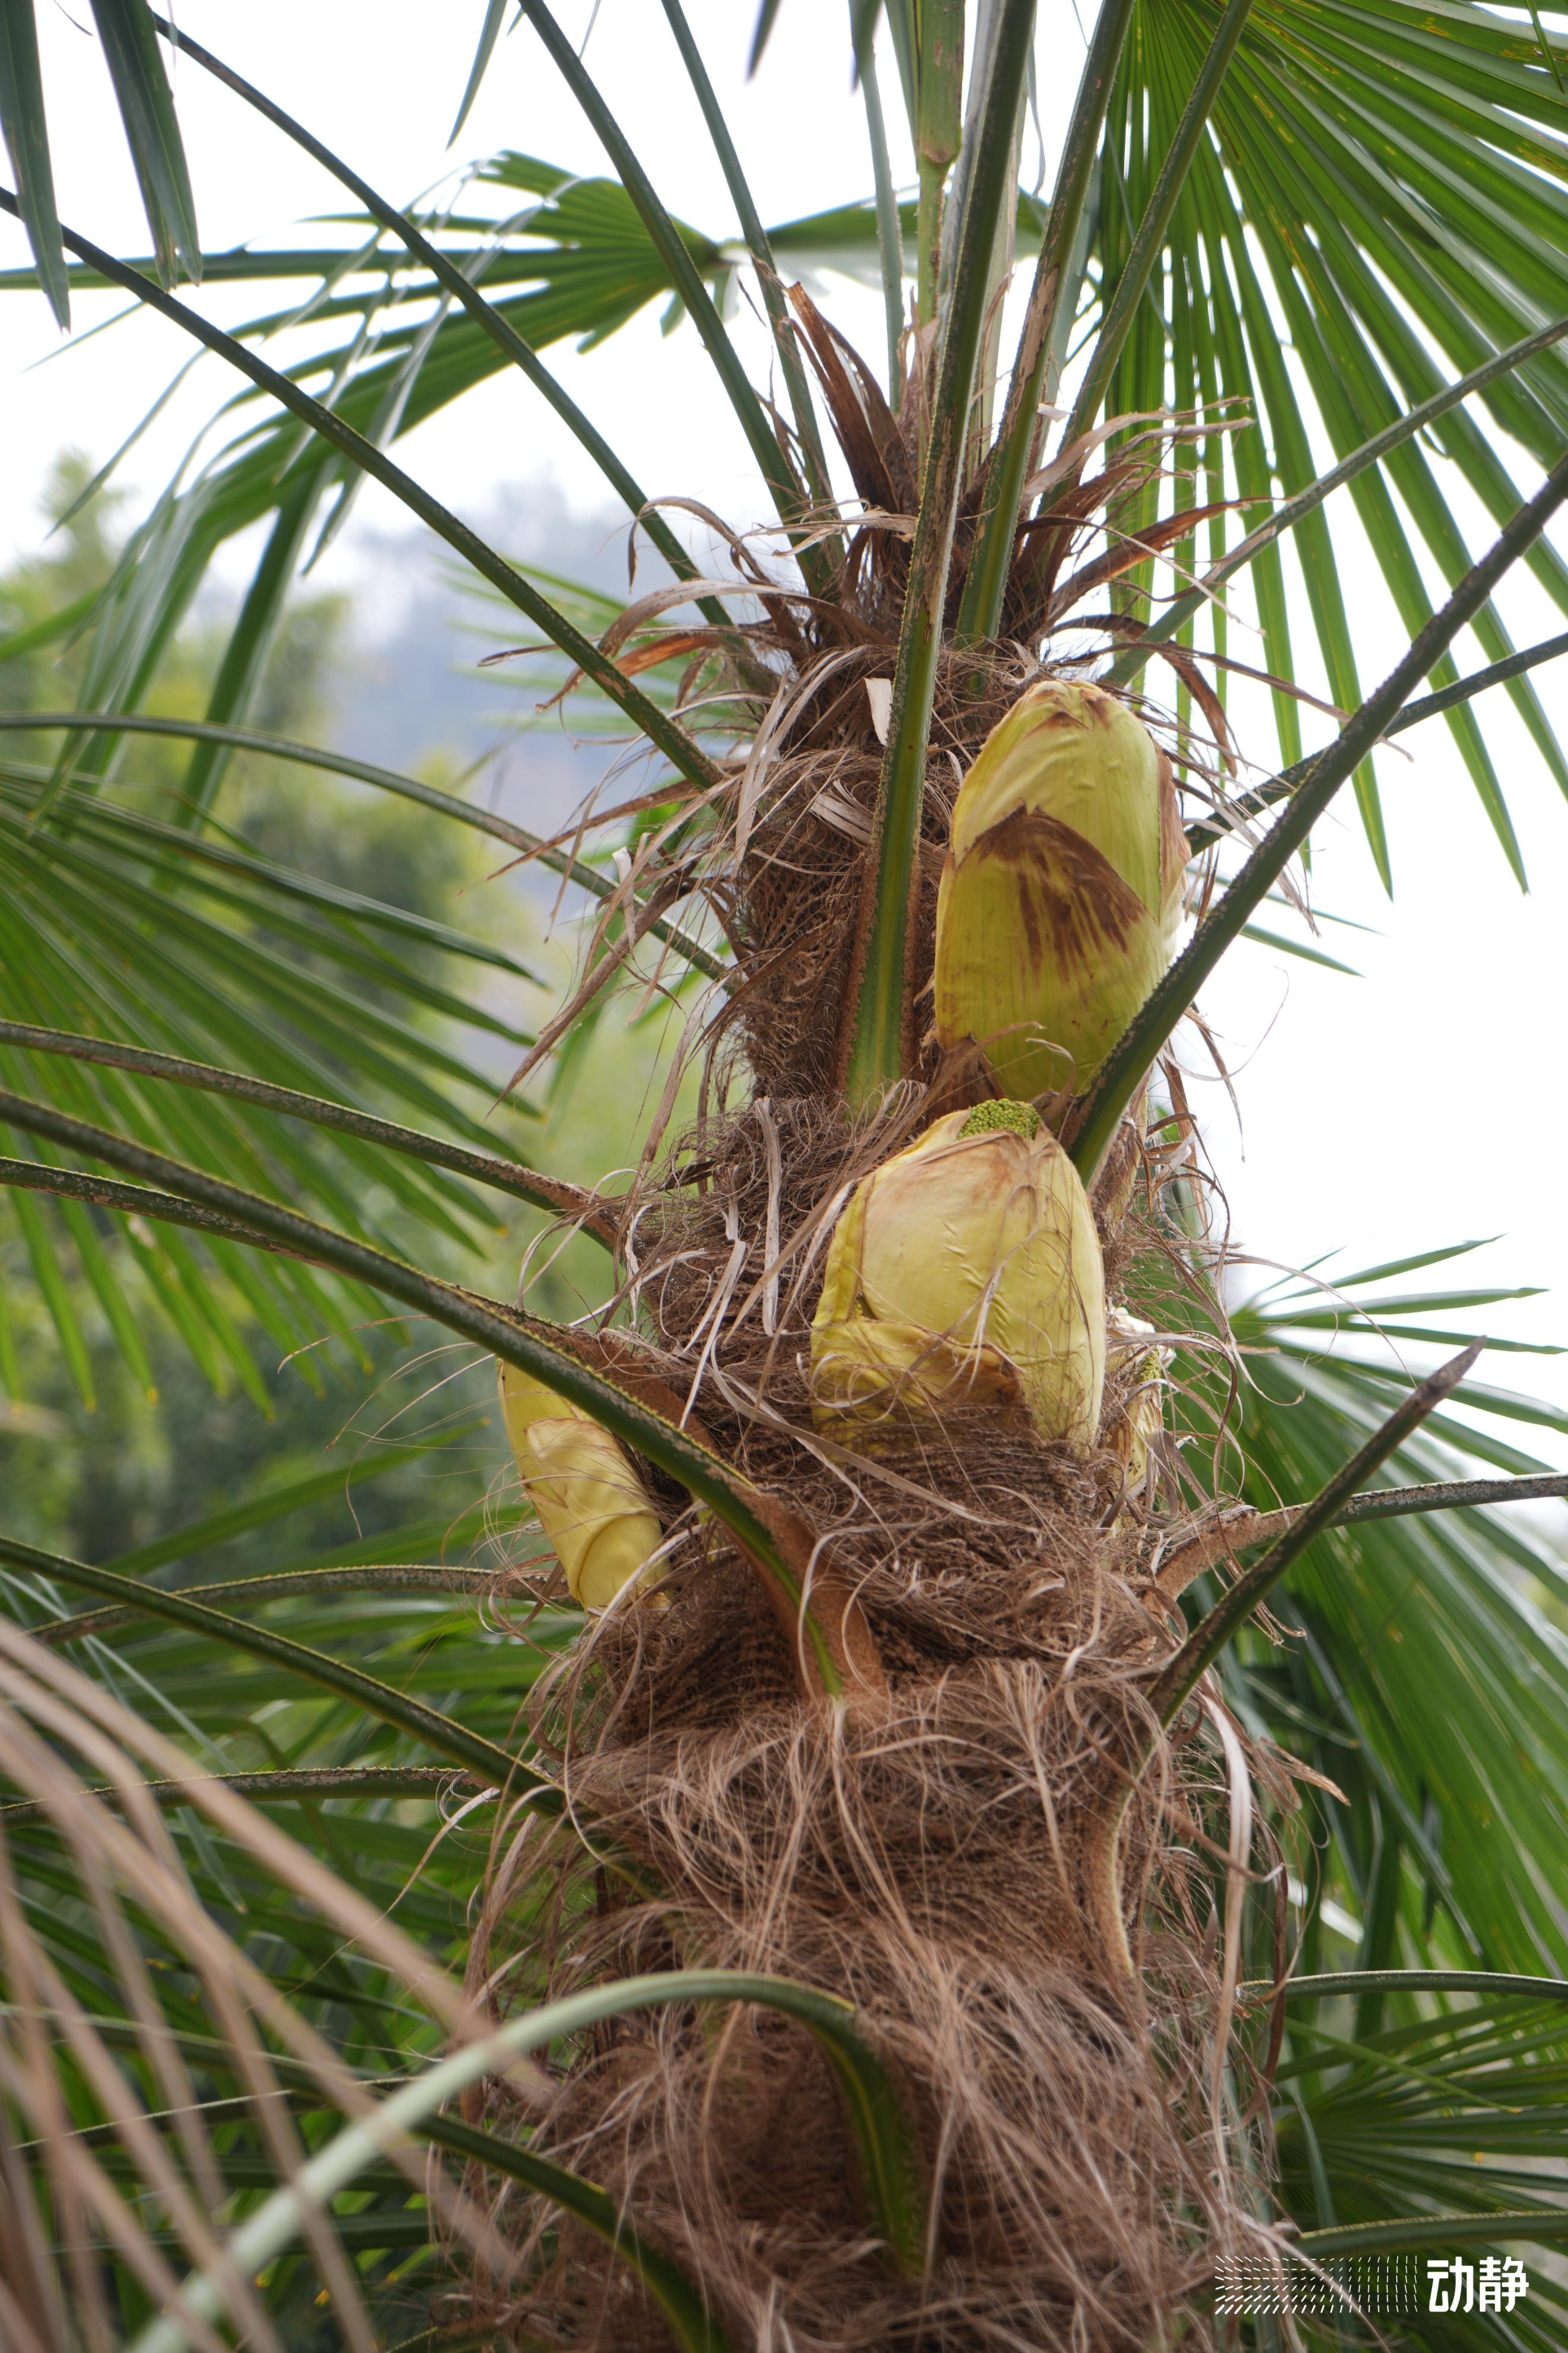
pixel 409 687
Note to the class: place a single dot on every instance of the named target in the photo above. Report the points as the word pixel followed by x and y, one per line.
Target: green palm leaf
pixel 117 922
pixel 1430 1681
pixel 1444 2123
pixel 1341 131
pixel 27 145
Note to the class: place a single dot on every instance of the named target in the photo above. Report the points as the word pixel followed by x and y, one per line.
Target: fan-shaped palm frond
pixel 1426 1682
pixel 1453 2109
pixel 117 922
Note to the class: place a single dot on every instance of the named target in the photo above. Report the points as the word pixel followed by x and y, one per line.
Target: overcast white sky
pixel 1419 1104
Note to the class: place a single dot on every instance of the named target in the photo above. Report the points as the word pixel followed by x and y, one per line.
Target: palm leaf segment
pixel 1431 1639
pixel 115 921
pixel 1425 1687
pixel 1380 185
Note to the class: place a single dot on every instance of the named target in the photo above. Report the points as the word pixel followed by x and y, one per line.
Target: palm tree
pixel 895 1914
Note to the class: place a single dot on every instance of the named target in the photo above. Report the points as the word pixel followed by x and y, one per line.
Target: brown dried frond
pixel 76 1756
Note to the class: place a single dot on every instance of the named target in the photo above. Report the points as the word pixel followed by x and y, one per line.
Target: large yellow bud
pixel 1060 895
pixel 591 1502
pixel 965 1270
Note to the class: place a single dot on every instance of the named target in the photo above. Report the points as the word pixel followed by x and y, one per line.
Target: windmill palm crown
pixel 876 1792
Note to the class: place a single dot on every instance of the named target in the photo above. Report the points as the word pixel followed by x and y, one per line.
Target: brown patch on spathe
pixel 1074 908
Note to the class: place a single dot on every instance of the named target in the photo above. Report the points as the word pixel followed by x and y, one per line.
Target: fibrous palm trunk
pixel 945 1842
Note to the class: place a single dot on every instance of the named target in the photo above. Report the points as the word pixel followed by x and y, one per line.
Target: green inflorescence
pixel 1021 1117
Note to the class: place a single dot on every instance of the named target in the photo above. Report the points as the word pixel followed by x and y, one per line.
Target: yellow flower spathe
pixel 1060 894
pixel 964 1271
pixel 591 1502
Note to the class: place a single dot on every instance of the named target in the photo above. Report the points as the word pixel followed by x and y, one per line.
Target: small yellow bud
pixel 1138 1426
pixel 591 1502
pixel 965 1270
pixel 1060 895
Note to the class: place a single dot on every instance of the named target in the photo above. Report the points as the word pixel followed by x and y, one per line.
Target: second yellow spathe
pixel 965 1270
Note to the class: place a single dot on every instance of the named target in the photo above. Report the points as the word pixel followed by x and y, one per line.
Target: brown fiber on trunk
pixel 931 1854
